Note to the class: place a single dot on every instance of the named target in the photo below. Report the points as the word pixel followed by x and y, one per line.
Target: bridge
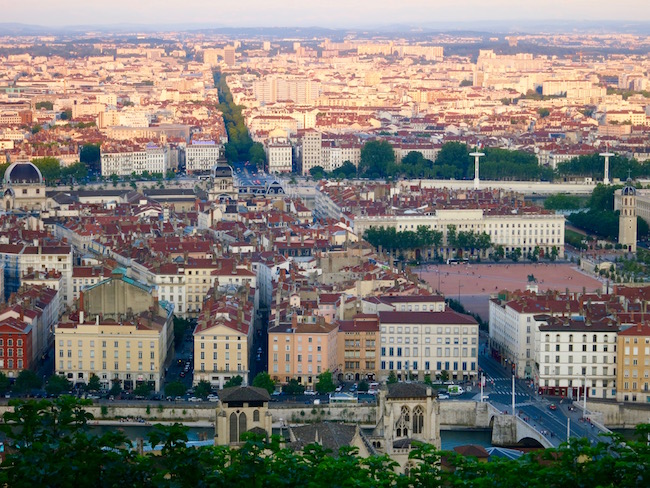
pixel 508 430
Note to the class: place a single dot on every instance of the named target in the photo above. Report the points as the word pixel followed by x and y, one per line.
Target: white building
pixel 416 344
pixel 278 156
pixel 575 352
pixel 202 156
pixel 122 163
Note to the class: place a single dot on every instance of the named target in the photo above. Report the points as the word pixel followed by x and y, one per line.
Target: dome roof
pixel 629 188
pixel 222 170
pixel 23 173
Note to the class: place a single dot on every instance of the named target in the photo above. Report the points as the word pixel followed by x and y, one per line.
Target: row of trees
pixel 240 146
pixel 600 219
pixel 392 240
pixel 454 162
pixel 49 444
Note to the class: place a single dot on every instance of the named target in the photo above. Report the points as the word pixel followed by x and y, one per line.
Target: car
pixel 193 399
pixel 552 406
pixel 213 398
pixel 310 392
pixel 443 396
pixel 338 389
pixel 182 374
pixel 276 392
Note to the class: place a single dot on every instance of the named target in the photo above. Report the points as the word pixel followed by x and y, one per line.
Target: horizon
pixel 339 14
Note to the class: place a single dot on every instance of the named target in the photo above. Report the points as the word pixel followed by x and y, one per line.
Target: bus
pixel 457 261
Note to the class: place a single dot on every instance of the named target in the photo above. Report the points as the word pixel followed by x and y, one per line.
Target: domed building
pixel 24 187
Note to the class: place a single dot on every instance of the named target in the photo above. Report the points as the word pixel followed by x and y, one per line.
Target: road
pixel 533 408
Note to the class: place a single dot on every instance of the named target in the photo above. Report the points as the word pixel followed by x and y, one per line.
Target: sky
pixel 322 13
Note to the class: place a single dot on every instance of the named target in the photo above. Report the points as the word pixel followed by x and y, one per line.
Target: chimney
pixel 81 301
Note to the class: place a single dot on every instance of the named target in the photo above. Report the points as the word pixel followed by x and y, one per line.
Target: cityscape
pixel 244 250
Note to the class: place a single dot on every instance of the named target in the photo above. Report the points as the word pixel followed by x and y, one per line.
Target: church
pixel 24 188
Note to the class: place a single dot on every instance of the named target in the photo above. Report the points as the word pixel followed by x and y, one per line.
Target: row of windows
pixel 116 344
pixel 152 354
pixel 116 365
pixel 10 342
pixel 10 364
pixel 406 351
pixel 440 366
pixel 10 352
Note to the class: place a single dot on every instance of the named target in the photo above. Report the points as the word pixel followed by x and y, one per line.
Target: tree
pixel 376 158
pixel 392 378
pixel 4 383
pixel 47 105
pixel 175 389
pixel 116 389
pixel 363 385
pixel 263 380
pixel 66 114
pixel 143 389
pixel 234 381
pixel 26 381
pixel 325 383
pixel 202 389
pixel 57 384
pixel 180 327
pixel 93 383
pixel 453 161
pixel 543 112
pixel 293 388
pixel 114 179
pixel 317 172
pixel 257 155
pixel 346 170
pixel 50 168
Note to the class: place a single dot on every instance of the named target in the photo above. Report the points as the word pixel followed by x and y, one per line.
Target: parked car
pixel 310 392
pixel 193 399
pixel 443 396
pixel 552 406
pixel 213 398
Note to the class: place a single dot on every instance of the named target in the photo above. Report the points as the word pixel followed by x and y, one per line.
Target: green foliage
pixel 392 378
pixel 346 170
pixel 143 389
pixel 414 165
pixel 57 384
pixel 317 172
pixel 49 445
pixel 293 388
pixel 593 166
pixel 392 240
pixel 47 105
pixel 453 161
pixel 363 385
pixel 377 157
pixel 325 382
pixel 560 201
pixel 90 155
pixel 66 114
pixel 234 381
pixel 174 389
pixel 466 83
pixel 263 380
pixel 4 383
pixel 116 389
pixel 26 381
pixel 240 146
pixel 94 383
pixel 505 165
pixel 202 389
pixel 543 112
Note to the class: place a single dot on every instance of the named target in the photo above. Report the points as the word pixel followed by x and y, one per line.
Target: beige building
pixel 633 373
pixel 222 340
pixel 311 155
pixel 627 231
pixel 302 350
pixel 358 348
pixel 240 410
pixel 120 332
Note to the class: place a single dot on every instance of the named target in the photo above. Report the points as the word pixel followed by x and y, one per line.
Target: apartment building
pixel 311 154
pixel 279 156
pixel 302 350
pixel 357 345
pixel 417 344
pixel 514 327
pixel 577 354
pixel 201 156
pixel 120 332
pixel 223 337
pixel 632 376
pixel 125 161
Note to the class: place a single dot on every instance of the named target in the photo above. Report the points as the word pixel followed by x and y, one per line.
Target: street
pixel 533 408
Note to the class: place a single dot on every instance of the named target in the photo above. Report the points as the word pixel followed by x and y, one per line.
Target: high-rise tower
pixel 627 219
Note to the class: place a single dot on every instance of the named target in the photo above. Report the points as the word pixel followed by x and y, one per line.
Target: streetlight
pixel 459 287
